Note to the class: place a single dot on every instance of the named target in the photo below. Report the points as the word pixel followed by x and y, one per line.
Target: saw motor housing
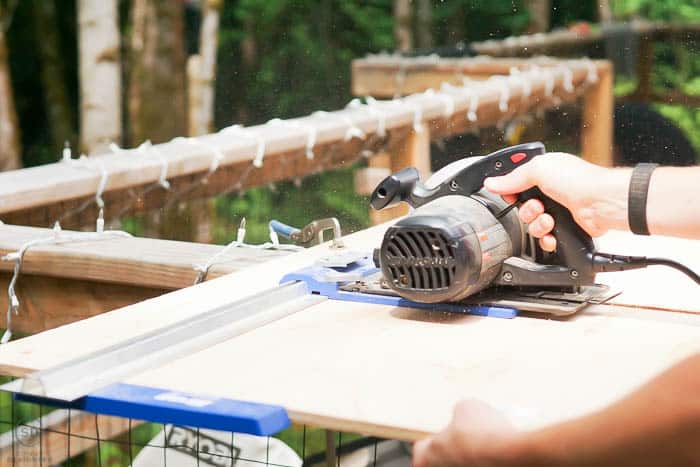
pixel 449 248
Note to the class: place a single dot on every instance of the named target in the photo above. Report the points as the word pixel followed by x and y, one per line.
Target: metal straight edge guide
pixel 91 383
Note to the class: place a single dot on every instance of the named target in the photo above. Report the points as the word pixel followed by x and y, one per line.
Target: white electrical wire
pixel 353 130
pixel 58 237
pixel 251 135
pixel 310 130
pixel 504 99
pixel 239 242
pixel 218 155
pixel 592 76
pixel 568 78
pixel 371 107
pixel 417 115
pixel 146 147
pixel 548 82
pixel 447 99
pixel 143 149
pixel 473 106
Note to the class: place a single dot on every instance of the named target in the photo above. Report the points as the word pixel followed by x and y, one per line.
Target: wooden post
pixel 645 64
pixel 597 120
pixel 403 25
pixel 413 151
pixel 540 12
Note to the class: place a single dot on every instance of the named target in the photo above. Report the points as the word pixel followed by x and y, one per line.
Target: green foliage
pixel 675 65
pixel 658 10
pixel 318 196
pixel 295 65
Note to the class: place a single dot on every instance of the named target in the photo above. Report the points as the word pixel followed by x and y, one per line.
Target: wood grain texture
pixel 141 262
pixel 397 372
pixel 49 302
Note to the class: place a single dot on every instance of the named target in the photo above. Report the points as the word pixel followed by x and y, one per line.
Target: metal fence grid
pixel 36 435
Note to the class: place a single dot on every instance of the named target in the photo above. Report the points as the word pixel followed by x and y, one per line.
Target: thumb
pixel 515 182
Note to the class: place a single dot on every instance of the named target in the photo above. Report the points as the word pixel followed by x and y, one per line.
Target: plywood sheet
pixel 398 372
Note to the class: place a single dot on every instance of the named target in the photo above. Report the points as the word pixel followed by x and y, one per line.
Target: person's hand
pixel 596 196
pixel 476 434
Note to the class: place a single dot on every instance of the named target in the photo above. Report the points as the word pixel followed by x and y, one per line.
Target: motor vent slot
pixel 420 259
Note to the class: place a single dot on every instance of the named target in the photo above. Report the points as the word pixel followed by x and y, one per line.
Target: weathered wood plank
pixel 41 195
pixel 381 76
pixel 140 262
pixel 60 284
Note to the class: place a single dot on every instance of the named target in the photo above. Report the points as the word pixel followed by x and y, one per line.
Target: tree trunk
pixel 10 157
pixel 456 26
pixel 157 74
pixel 402 25
pixel 540 12
pixel 424 24
pixel 604 11
pixel 100 75
pixel 201 72
pixel 60 115
pixel 249 57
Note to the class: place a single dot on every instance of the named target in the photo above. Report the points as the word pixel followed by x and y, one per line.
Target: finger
pixel 541 226
pixel 420 449
pixel 548 242
pixel 515 182
pixel 530 210
pixel 510 199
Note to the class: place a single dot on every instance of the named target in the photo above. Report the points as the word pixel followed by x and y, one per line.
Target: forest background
pixel 274 58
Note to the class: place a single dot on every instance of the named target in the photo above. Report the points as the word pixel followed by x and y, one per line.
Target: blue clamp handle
pixel 283 229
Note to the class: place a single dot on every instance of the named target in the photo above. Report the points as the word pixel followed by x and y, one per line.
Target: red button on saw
pixel 517 157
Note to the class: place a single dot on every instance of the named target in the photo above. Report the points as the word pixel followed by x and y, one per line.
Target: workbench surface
pixel 397 372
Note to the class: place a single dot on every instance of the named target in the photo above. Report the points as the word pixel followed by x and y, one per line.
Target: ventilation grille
pixel 420 260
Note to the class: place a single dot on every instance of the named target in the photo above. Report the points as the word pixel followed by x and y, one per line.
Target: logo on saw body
pixel 431 262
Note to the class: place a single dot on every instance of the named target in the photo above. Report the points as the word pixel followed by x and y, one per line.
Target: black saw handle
pixel 405 185
pixel 574 245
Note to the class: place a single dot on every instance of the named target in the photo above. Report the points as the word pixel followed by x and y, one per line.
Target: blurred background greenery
pixel 283 58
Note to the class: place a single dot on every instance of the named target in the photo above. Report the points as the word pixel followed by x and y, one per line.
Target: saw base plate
pixel 555 302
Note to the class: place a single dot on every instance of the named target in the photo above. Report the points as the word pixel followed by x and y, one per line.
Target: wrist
pixel 524 449
pixel 610 205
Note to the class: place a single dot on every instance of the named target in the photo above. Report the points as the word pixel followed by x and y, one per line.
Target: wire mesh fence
pixel 37 435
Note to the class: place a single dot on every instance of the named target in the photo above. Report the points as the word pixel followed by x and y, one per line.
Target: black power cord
pixel 606 262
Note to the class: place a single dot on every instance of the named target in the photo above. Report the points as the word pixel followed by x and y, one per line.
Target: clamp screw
pixel 574 273
pixel 499 164
pixel 453 185
pixel 507 276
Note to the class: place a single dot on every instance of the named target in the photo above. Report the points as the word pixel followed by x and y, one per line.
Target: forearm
pixel 657 425
pixel 673 203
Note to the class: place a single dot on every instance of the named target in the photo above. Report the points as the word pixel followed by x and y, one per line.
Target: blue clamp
pixel 180 408
pixel 327 281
